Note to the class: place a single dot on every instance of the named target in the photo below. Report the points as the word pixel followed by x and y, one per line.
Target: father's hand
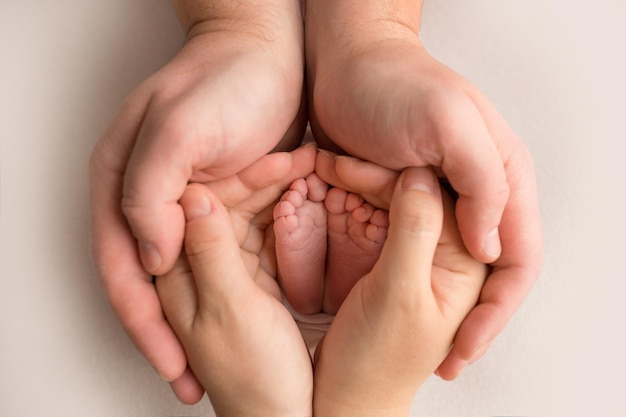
pixel 225 100
pixel 388 101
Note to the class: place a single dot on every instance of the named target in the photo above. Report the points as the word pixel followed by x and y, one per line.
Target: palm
pixel 219 97
pixel 393 104
pixel 261 334
pixel 455 276
pixel 240 307
pixel 407 312
pixel 249 197
pixel 274 338
pixel 397 100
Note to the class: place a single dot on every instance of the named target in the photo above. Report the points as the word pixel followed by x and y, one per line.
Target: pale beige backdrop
pixel 555 69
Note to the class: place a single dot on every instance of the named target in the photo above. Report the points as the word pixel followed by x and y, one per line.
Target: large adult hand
pixel 399 321
pixel 226 99
pixel 241 342
pixel 382 97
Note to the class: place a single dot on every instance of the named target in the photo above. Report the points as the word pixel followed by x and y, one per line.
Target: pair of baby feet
pixel 326 240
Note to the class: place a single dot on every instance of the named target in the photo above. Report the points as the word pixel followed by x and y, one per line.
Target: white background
pixel 554 68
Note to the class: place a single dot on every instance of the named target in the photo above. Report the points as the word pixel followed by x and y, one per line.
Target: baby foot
pixel 356 233
pixel 300 229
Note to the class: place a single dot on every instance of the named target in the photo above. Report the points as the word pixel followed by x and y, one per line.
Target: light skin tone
pixel 224 289
pixel 232 94
pixel 399 321
pixel 376 93
pixel 373 91
pixel 326 240
pixel 411 303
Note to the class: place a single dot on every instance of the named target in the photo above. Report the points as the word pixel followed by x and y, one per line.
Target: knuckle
pixel 423 219
pixel 200 247
pixel 131 206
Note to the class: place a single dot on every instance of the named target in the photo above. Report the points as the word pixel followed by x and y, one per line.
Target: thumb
pixel 415 224
pixel 211 247
pixel 154 181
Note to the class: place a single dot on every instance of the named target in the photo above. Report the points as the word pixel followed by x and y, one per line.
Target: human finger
pixel 415 224
pixel 177 293
pixel 155 179
pixel 513 274
pixel 373 182
pixel 187 388
pixel 503 293
pixel 127 285
pixel 266 179
pixel 178 296
pixel 472 163
pixel 212 250
pixel 518 268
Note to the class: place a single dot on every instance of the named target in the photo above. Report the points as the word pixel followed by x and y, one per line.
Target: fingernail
pixel 150 257
pixel 162 376
pixel 326 152
pixel 478 353
pixel 491 245
pixel 418 179
pixel 201 207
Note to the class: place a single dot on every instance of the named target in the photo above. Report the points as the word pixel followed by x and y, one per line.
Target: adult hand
pixel 399 321
pixel 225 100
pixel 382 97
pixel 241 342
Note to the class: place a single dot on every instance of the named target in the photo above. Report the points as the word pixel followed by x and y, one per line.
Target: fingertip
pixel 451 367
pixel 418 196
pixel 478 222
pixel 164 351
pixel 491 247
pixel 187 388
pixel 325 165
pixel 304 158
pixel 168 373
pixel 150 257
pixel 212 248
pixel 157 262
pixel 419 179
pixel 480 352
pixel 415 224
pixel 455 364
pixel 159 234
pixel 478 330
pixel 196 202
pixel 208 224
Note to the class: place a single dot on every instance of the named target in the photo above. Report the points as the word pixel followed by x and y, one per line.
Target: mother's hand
pixel 241 343
pixel 399 321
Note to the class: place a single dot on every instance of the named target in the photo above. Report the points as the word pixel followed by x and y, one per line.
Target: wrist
pixel 326 407
pixel 262 411
pixel 336 28
pixel 270 20
pixel 272 31
pixel 341 396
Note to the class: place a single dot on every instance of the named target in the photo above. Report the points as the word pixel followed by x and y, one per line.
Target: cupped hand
pixel 389 101
pixel 225 100
pixel 399 321
pixel 241 342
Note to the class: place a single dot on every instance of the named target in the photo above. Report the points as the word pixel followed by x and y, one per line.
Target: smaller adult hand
pixel 399 321
pixel 241 342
